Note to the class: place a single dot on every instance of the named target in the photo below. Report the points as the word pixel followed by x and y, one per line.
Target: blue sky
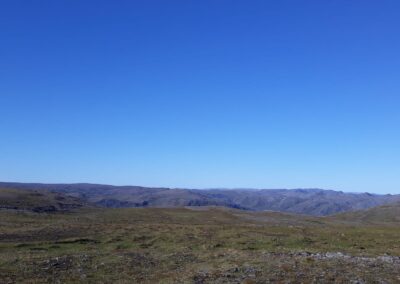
pixel 262 94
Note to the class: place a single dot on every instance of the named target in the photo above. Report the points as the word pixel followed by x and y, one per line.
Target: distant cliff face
pixel 315 202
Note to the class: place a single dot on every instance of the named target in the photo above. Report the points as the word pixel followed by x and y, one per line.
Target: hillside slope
pixel 37 201
pixel 386 214
pixel 316 202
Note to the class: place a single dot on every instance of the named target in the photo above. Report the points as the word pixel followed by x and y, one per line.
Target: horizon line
pixel 198 188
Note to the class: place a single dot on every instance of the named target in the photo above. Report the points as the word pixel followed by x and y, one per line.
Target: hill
pixel 316 202
pixel 37 200
pixel 386 214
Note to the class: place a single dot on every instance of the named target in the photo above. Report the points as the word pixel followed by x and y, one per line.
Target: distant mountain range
pixel 317 202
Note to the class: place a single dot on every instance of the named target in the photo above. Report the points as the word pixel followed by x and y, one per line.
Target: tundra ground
pixel 194 245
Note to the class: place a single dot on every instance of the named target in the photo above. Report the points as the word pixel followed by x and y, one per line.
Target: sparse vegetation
pixel 193 245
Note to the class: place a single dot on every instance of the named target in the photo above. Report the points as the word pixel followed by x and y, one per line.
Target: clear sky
pixel 262 94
